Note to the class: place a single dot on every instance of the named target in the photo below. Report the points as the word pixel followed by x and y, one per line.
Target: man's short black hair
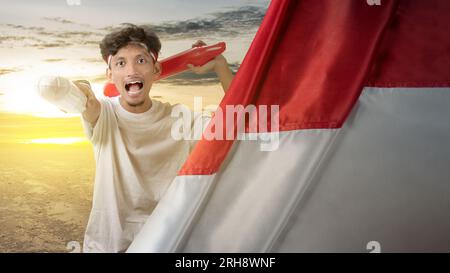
pixel 128 33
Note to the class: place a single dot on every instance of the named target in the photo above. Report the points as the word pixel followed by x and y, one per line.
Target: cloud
pixel 93 60
pixel 58 20
pixel 43 45
pixel 242 18
pixel 54 60
pixel 46 39
pixel 45 33
pixel 64 21
pixel 25 36
pixel 264 3
pixel 24 27
pixel 15 41
pixel 4 71
pixel 232 22
pixel 15 26
pixel 12 38
pixel 225 23
pixel 107 28
pixel 72 34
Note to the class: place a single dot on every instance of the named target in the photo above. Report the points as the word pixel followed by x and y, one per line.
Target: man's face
pixel 133 72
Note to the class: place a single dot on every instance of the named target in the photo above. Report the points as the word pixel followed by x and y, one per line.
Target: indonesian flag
pixel 358 157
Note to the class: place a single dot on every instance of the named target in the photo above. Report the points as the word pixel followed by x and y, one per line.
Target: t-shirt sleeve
pixel 96 134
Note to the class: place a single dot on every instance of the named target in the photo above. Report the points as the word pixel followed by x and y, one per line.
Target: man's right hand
pixel 92 111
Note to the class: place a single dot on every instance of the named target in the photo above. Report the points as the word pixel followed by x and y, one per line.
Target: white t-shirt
pixel 136 160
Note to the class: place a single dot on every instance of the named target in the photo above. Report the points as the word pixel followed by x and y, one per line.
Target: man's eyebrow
pixel 144 54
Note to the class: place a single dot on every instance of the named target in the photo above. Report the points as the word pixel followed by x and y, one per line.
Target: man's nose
pixel 131 69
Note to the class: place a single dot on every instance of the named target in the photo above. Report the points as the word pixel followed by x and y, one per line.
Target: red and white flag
pixel 360 156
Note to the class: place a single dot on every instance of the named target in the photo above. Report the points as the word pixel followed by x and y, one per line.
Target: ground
pixel 45 196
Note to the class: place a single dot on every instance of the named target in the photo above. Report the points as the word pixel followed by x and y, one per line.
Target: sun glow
pixel 61 140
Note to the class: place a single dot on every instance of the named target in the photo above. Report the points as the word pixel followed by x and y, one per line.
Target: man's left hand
pixel 213 65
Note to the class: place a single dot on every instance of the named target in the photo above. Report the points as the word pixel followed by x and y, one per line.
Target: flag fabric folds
pixel 361 149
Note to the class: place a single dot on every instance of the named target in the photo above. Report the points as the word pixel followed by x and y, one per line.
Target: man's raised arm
pixel 219 64
pixel 92 111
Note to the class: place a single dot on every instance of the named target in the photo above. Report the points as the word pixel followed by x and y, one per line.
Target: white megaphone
pixel 62 93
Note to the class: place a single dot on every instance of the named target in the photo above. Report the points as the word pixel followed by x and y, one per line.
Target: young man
pixel 136 157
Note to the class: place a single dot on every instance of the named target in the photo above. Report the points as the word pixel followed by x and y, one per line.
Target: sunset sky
pixel 47 164
pixel 59 37
pixel 52 37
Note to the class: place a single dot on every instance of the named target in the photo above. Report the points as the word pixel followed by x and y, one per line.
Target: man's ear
pixel 157 69
pixel 108 74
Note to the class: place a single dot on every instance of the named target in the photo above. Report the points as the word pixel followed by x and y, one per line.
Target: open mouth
pixel 134 87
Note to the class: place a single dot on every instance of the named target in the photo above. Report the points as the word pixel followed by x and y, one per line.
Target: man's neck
pixel 138 108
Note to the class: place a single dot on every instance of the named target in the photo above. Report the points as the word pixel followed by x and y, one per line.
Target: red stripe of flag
pixel 312 58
